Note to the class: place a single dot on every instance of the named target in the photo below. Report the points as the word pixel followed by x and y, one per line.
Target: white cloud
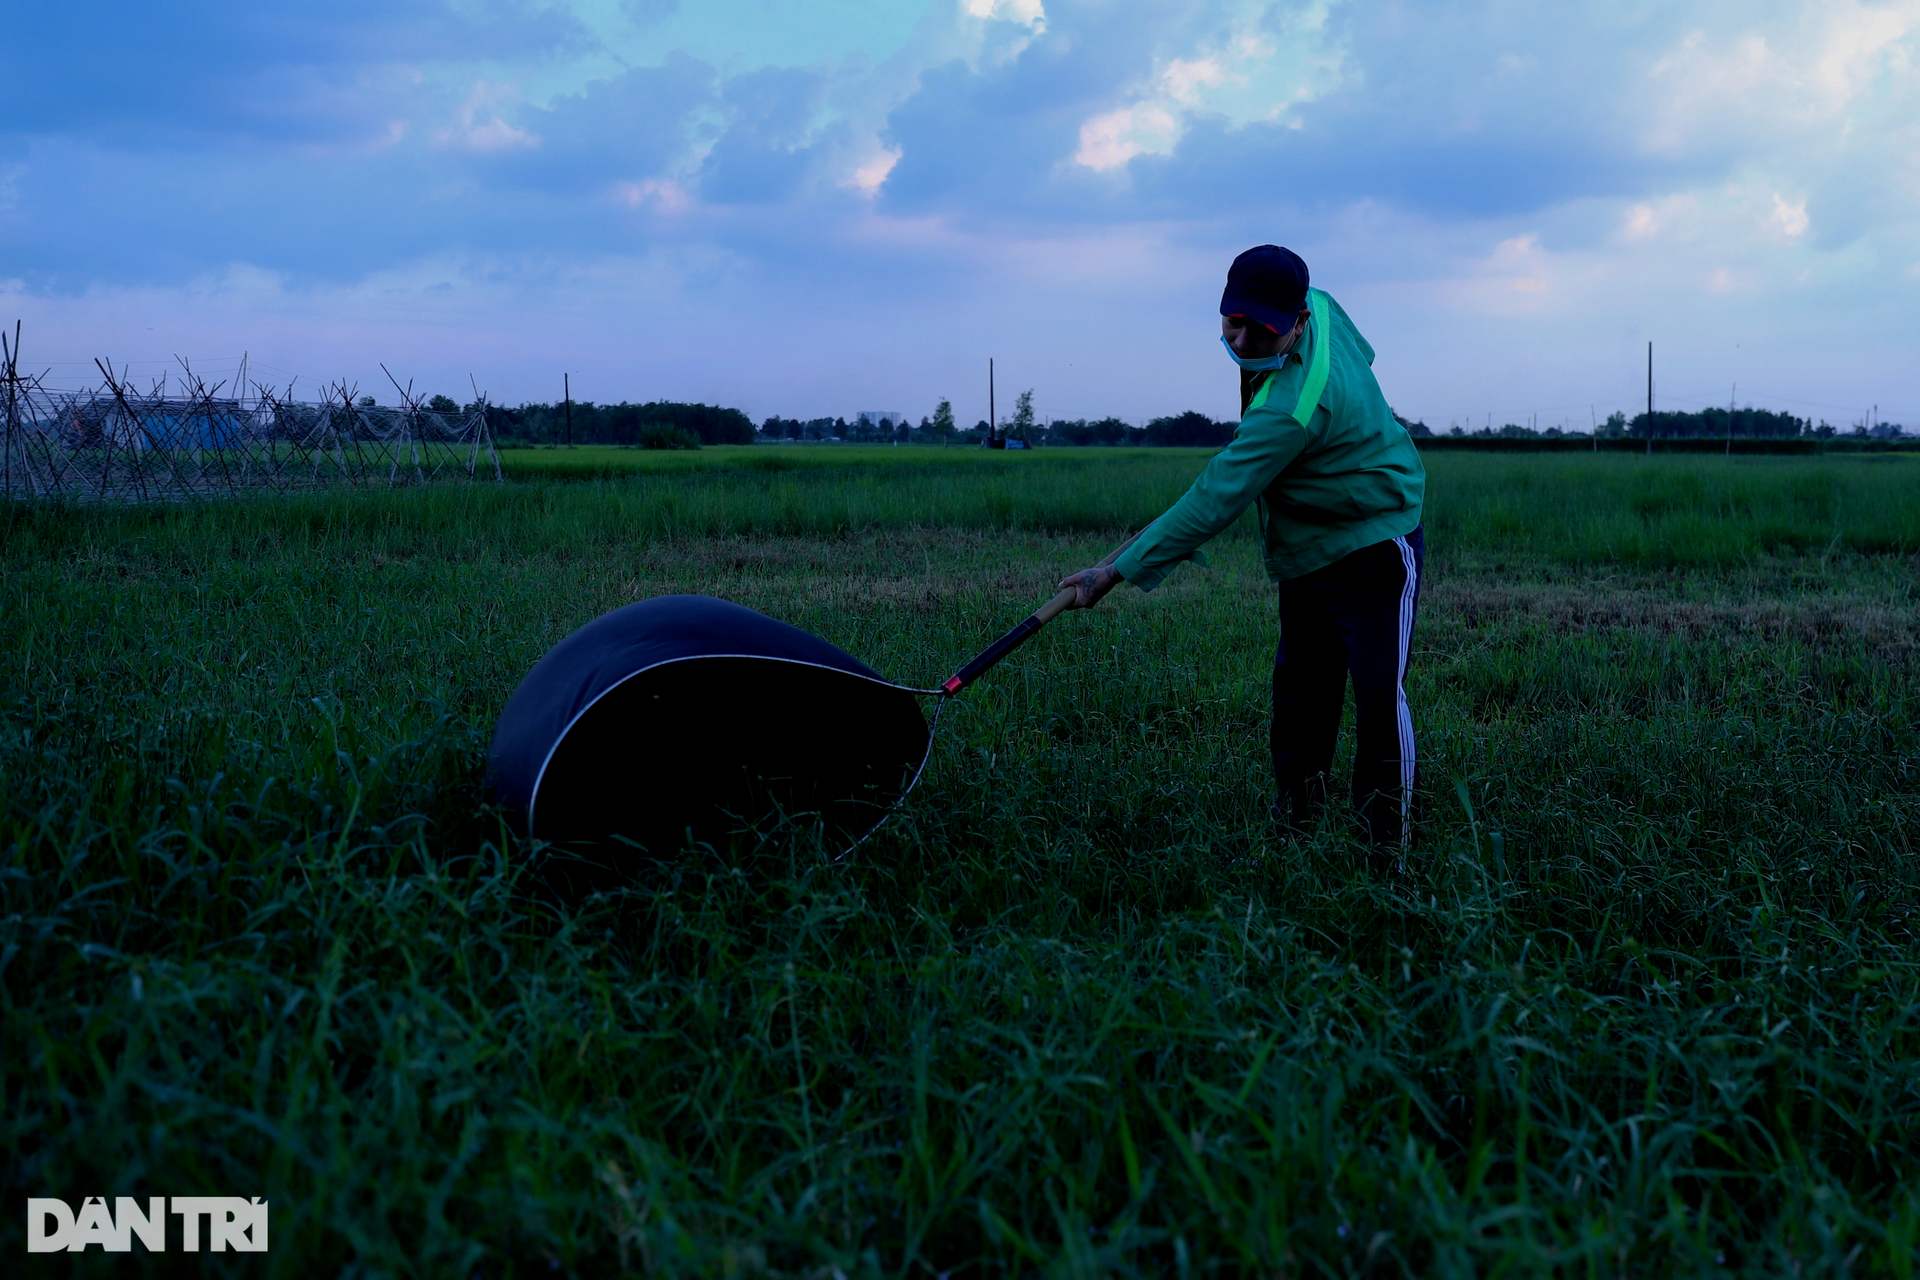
pixel 1831 68
pixel 1028 13
pixel 1648 220
pixel 869 175
pixel 1791 219
pixel 1862 42
pixel 1517 276
pixel 992 33
pixel 1704 83
pixel 663 195
pixel 1110 140
pixel 1247 64
pixel 483 135
pixel 1185 78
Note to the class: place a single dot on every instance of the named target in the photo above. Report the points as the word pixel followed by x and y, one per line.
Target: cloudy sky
pixel 819 206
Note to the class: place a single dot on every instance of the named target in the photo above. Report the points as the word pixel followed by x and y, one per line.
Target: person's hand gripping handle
pixel 1080 591
pixel 1083 590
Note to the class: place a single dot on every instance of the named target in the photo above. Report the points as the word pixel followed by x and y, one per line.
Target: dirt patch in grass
pixel 1885 626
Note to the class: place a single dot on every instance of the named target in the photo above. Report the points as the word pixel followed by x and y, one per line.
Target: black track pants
pixel 1354 616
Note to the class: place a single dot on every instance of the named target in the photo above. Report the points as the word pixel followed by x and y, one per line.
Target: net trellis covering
pixel 686 719
pixel 183 439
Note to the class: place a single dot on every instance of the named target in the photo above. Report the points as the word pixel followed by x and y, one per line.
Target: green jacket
pixel 1317 450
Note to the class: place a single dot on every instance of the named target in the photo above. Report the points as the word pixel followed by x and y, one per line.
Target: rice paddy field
pixel 1648 1002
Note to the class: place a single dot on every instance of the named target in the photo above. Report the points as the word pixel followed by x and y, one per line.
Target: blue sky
pixel 807 208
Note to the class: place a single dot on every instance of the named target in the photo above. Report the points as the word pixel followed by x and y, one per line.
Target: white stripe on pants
pixel 1404 718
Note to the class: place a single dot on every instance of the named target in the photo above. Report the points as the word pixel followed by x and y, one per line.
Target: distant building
pixel 888 418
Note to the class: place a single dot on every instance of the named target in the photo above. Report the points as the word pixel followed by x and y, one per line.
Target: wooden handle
pixel 1064 601
pixel 1055 607
pixel 1007 643
pixel 1119 551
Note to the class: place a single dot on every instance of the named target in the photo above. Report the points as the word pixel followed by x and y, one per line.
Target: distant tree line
pixel 657 424
pixel 1100 431
pixel 1745 424
pixel 1708 424
pixel 859 431
pixel 670 424
pixel 1179 430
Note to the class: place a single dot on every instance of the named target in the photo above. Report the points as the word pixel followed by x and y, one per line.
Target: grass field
pixel 1648 1004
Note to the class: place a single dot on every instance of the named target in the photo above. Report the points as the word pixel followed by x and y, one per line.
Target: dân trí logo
pixel 232 1222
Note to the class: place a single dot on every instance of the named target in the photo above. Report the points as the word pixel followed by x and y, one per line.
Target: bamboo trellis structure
pixel 183 438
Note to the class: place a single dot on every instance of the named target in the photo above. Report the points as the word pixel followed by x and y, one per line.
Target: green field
pixel 1648 1004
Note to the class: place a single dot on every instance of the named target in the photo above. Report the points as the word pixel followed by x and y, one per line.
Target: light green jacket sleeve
pixel 1265 442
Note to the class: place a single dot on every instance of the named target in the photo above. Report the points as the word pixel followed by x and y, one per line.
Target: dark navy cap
pixel 1267 284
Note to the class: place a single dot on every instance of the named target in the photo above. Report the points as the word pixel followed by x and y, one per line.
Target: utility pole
pixel 1731 395
pixel 566 384
pixel 1649 398
pixel 10 360
pixel 993 421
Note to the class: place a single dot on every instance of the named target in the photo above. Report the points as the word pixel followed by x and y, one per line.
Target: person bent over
pixel 1338 486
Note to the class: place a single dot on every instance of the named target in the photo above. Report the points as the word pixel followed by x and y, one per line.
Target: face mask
pixel 1266 362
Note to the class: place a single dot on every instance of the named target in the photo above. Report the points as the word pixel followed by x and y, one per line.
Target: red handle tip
pixel 952 685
